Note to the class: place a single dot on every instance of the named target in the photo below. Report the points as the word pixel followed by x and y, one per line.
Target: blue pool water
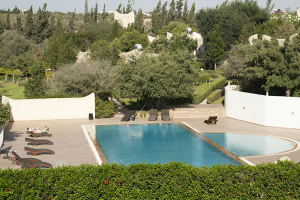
pixel 152 143
pixel 249 145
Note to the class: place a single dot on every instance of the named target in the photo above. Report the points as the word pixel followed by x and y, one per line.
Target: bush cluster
pixel 153 181
pixel 104 108
pixel 214 96
pixel 219 83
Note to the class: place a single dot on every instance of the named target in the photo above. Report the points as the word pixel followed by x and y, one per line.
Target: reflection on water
pixel 249 145
pixel 154 143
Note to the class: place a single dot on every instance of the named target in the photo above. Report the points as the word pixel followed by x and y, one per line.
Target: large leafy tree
pixel 215 45
pixel 129 39
pixel 168 75
pixel 60 49
pixel 36 85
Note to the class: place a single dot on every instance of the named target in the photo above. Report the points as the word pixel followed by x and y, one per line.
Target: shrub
pixel 104 109
pixel 173 180
pixel 214 96
pixel 206 90
pixel 203 77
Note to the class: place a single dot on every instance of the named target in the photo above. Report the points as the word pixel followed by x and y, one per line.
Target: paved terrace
pixel 72 148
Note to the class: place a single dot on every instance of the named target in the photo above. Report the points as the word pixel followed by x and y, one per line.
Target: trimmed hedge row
pixel 214 96
pixel 219 83
pixel 153 181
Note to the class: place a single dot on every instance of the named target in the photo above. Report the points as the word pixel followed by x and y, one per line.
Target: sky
pixel 111 5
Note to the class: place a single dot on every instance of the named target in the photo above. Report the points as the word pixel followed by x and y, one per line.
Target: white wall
pixel 274 111
pixel 124 19
pixel 51 109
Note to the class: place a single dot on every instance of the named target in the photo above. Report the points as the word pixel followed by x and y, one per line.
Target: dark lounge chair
pixel 29 162
pixel 37 142
pixel 211 120
pixel 35 152
pixel 40 134
pixel 165 115
pixel 128 115
pixel 153 115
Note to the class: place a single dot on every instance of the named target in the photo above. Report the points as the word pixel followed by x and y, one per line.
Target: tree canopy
pixel 154 78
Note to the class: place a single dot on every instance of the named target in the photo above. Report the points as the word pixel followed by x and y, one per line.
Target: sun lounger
pixel 37 142
pixel 40 134
pixel 165 114
pixel 29 162
pixel 35 152
pixel 211 119
pixel 153 115
pixel 128 115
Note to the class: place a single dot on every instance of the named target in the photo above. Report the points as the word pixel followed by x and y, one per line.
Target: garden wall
pixel 51 109
pixel 277 111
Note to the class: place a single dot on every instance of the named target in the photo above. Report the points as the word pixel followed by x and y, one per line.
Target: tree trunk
pixel 5 77
pixel 288 92
pixel 215 66
pixel 13 79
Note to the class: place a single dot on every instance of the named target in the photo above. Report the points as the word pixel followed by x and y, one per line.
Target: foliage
pixel 41 25
pixel 173 180
pixel 60 49
pixel 267 28
pixel 12 44
pixel 168 75
pixel 5 112
pixel 57 95
pixel 175 27
pixel 203 77
pixel 95 78
pixel 214 96
pixel 129 39
pixel 7 24
pixel 36 86
pixel 215 45
pixel 285 30
pixel 104 108
pixel 204 90
pixel 2 26
pixel 220 100
pixel 29 25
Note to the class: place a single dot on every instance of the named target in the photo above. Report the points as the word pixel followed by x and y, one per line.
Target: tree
pixel 59 24
pixel 168 75
pixel 284 31
pixel 179 5
pixel 119 8
pixel 216 47
pixel 60 49
pixel 71 21
pixel 41 25
pixel 16 72
pixel 7 24
pixel 104 14
pixel 36 86
pixel 18 26
pixel 116 30
pixel 97 77
pixel 129 6
pixel 51 27
pixel 29 26
pixel 129 39
pixel 86 16
pixel 24 62
pixel 139 20
pixel 243 39
pixel 2 26
pixel 171 13
pixel 6 72
pixel 95 16
pixel 185 12
pixel 192 14
pixel 5 112
pixel 269 7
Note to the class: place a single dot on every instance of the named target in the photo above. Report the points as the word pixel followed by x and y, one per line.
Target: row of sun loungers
pixel 33 162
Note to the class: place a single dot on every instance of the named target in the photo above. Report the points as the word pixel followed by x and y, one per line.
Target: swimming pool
pixel 249 144
pixel 152 143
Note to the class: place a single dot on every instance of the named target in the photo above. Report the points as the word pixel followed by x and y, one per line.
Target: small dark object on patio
pixel 28 162
pixel 128 115
pixel 35 152
pixel 165 115
pixel 211 119
pixel 153 115
pixel 37 142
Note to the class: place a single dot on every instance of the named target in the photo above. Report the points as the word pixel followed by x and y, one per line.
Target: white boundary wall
pixel 51 109
pixel 277 111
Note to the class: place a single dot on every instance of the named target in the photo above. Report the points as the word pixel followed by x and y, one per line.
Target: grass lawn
pixel 12 91
pixel 220 100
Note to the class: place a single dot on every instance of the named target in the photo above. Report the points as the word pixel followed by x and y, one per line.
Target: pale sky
pixel 111 5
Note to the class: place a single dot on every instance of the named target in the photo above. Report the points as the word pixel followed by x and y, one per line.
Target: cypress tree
pixel 104 14
pixel 29 27
pixel 71 21
pixel 115 31
pixel 185 12
pixel 18 25
pixel 96 12
pixel 191 14
pixel 119 10
pixel 164 13
pixel 92 19
pixel 171 12
pixel 59 22
pixel 86 16
pixel 139 20
pixel 51 27
pixel 8 26
pixel 41 25
pixel 179 5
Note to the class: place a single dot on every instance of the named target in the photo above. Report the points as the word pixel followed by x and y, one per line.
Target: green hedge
pixel 214 96
pixel 206 90
pixel 203 77
pixel 153 181
pixel 104 108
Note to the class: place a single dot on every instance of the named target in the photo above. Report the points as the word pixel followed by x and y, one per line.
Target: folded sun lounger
pixel 128 115
pixel 153 115
pixel 37 142
pixel 35 152
pixel 165 114
pixel 29 162
pixel 211 119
